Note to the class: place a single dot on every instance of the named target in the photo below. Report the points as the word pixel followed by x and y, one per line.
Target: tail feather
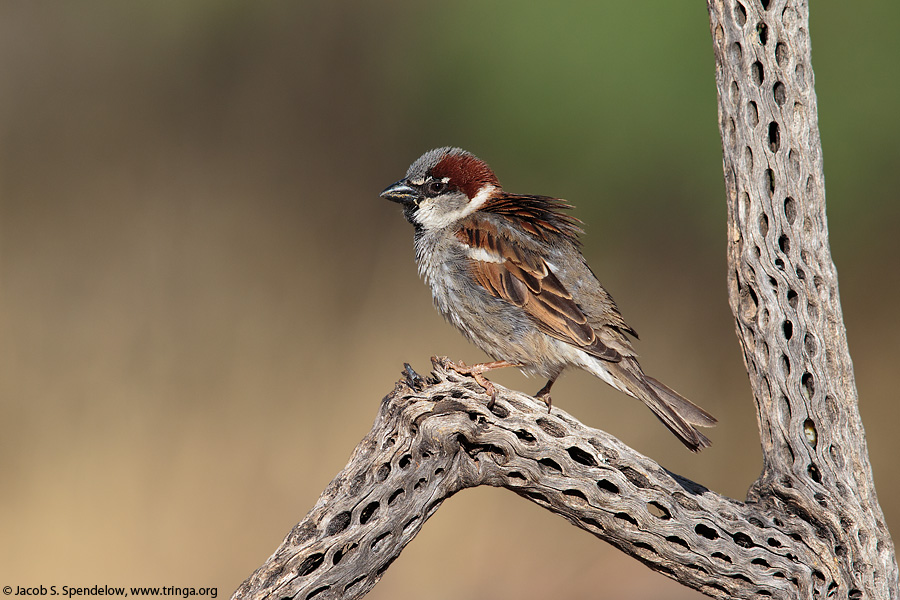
pixel 689 411
pixel 676 412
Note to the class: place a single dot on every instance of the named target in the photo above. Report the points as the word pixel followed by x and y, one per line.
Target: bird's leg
pixel 544 393
pixel 477 370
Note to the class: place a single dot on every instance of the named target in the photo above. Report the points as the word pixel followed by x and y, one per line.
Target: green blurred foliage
pixel 202 299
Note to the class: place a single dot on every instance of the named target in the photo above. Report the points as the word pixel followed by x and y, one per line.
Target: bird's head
pixel 443 186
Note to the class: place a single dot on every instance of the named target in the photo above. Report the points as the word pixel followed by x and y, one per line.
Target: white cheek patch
pixel 431 215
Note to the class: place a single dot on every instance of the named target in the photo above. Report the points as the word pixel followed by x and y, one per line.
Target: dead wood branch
pixel 811 526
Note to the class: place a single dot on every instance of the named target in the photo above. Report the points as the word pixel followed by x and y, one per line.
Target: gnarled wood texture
pixel 811 526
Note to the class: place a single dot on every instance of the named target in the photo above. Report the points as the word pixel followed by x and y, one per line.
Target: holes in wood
pixel 525 436
pixel 752 114
pixel 749 303
pixel 411 524
pixel 781 54
pixel 769 180
pixel 368 512
pixel 421 482
pixel 396 494
pixel 636 478
pixel 740 14
pixel 707 532
pixel 608 486
pixel 647 547
pixel 809 385
pixel 837 455
pixel 748 161
pixel 677 540
pixel 792 298
pixel 779 93
pixel 337 524
pixel 382 473
pixel 577 495
pixel 516 475
pixel 433 506
pixel 310 564
pixel 794 169
pixel 623 516
pixel 353 583
pixel 659 511
pixel 474 450
pixel 743 540
pixel 762 31
pixel 814 474
pixel 774 137
pixel 317 591
pixel 404 461
pixel 737 53
pixel 765 4
pixel 341 552
pixel 722 557
pixel 550 464
pixel 788 329
pixel 536 497
pixel 757 73
pixel 760 562
pixel 773 542
pixel 499 410
pixel 551 428
pixel 790 205
pixel 812 309
pixel 582 457
pixel 763 224
pixel 809 342
pixel 784 244
pixel 378 543
pixel 810 433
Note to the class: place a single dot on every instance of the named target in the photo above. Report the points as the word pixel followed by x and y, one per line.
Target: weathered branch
pixel 811 525
pixel 431 442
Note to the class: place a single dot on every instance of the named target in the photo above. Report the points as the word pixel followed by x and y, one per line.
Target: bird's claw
pixel 476 371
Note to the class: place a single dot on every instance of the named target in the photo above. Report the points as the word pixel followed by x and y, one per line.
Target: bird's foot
pixel 477 371
pixel 544 395
pixel 545 398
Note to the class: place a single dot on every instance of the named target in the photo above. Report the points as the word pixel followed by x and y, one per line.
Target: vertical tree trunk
pixel 784 293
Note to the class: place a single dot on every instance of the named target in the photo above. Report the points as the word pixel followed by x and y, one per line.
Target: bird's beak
pixel 400 192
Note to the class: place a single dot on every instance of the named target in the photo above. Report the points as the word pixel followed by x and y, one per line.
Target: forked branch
pixel 811 526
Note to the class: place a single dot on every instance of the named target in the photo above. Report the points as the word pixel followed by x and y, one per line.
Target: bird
pixel 507 270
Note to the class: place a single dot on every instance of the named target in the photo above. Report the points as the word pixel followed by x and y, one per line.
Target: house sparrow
pixel 508 272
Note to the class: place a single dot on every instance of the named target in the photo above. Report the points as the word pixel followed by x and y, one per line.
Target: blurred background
pixel 203 299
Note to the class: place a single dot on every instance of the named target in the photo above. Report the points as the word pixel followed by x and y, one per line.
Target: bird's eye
pixel 435 187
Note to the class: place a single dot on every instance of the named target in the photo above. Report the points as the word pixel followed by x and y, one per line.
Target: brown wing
pixel 522 277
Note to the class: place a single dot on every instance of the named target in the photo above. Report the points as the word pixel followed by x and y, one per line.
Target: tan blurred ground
pixel 202 299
